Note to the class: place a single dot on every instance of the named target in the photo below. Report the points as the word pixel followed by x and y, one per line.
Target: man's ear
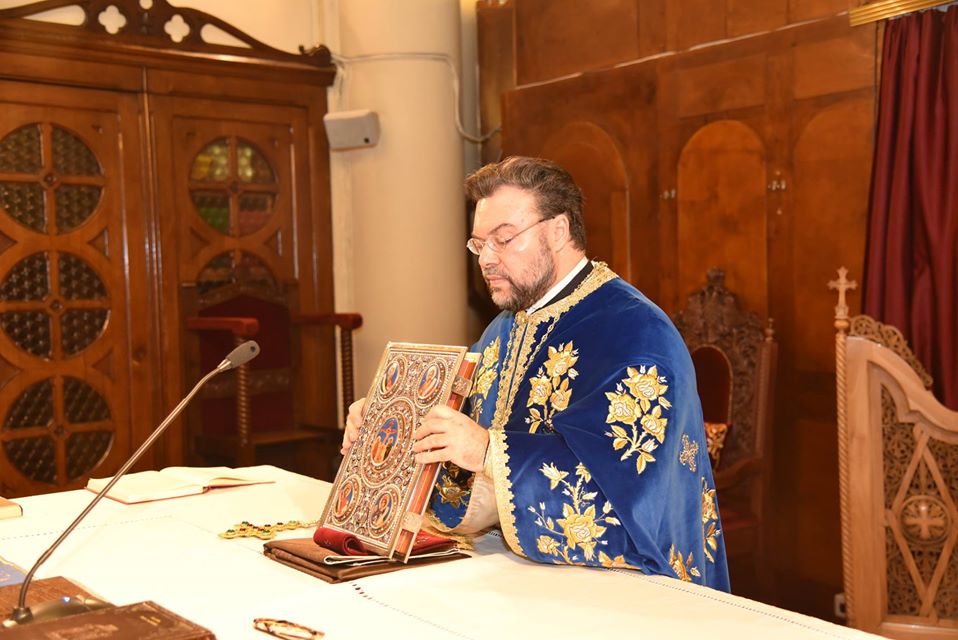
pixel 561 234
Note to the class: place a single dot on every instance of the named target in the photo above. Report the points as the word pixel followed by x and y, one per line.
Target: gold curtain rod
pixel 885 9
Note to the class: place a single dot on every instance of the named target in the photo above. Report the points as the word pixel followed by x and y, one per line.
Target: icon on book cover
pixel 380 493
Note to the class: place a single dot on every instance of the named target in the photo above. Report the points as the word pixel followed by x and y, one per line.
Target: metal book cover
pixel 380 492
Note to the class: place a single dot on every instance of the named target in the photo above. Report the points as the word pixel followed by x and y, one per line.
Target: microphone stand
pixel 22 614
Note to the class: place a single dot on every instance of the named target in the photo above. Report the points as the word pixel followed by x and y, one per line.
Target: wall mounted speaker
pixel 352 129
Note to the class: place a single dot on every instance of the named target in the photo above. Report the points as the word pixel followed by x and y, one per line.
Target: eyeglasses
pixel 286 630
pixel 475 245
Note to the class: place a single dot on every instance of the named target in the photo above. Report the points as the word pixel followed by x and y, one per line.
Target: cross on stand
pixel 842 284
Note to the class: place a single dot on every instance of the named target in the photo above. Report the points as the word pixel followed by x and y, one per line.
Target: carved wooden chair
pixel 257 415
pixel 734 360
pixel 898 479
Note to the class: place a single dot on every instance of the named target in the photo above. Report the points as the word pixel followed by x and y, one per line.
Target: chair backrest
pixel 898 478
pixel 734 358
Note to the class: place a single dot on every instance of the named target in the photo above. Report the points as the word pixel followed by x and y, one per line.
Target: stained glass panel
pixel 71 156
pixel 212 164
pixel 24 202
pixel 253 166
pixel 75 204
pixel 214 208
pixel 254 211
pixel 20 150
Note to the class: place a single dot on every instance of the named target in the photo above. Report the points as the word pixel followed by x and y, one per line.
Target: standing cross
pixel 842 285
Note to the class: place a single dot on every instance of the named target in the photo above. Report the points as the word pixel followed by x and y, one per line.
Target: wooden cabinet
pixel 132 167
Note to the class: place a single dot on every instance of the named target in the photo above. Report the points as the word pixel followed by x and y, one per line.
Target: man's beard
pixel 524 295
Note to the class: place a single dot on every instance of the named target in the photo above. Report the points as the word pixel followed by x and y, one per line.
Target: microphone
pixel 69 605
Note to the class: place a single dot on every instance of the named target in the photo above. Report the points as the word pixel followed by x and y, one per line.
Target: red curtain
pixel 911 265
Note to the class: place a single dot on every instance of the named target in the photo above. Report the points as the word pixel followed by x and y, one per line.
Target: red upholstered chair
pixel 734 360
pixel 258 414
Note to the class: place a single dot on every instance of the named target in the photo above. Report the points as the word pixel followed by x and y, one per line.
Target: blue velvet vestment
pixel 597 443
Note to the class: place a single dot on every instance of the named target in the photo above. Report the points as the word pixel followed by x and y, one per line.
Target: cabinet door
pixel 234 194
pixel 72 301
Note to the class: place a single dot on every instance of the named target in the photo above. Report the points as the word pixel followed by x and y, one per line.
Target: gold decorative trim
pixel 505 504
pixel 522 345
pixel 891 338
pixel 885 9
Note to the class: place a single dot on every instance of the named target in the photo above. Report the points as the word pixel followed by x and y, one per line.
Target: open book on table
pixel 172 482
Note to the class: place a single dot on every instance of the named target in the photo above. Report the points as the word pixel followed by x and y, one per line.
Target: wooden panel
pixel 653 35
pixel 721 86
pixel 830 204
pixel 833 66
pixel 558 37
pixel 593 159
pixel 73 322
pixel 799 10
pixel 693 22
pixel 721 212
pixel 754 16
pixel 496 60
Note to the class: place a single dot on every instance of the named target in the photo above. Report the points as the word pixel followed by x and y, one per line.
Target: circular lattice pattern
pixel 53 190
pixel 925 520
pixel 42 308
pixel 34 431
pixel 384 447
pixel 233 186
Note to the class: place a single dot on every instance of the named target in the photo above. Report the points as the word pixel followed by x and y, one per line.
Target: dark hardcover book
pixel 138 621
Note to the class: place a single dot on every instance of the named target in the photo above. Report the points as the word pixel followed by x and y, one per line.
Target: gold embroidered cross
pixel 689 451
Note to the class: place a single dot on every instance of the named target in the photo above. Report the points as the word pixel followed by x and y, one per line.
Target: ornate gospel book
pixel 380 493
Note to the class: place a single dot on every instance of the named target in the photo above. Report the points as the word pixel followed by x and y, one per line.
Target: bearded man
pixel 583 437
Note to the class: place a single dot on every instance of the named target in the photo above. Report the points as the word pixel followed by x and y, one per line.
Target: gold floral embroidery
pixel 550 386
pixel 683 568
pixel 450 492
pixel 689 451
pixel 485 376
pixel 580 526
pixel 710 530
pixel 638 402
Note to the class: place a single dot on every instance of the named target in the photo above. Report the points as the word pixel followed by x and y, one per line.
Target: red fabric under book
pixel 349 545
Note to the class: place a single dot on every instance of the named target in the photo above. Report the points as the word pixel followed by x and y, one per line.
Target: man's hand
pixel 353 421
pixel 448 435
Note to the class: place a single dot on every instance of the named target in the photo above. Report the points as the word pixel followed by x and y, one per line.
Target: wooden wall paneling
pixel 801 10
pixel 497 68
pixel 591 155
pixel 721 211
pixel 652 22
pixel 754 16
pixel 694 22
pixel 75 333
pixel 558 37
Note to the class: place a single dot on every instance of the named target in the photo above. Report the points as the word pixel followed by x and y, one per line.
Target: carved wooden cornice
pixel 147 28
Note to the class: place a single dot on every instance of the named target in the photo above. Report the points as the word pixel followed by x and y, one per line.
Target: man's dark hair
pixel 555 191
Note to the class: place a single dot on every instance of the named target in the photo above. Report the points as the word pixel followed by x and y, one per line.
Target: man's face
pixel 523 269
